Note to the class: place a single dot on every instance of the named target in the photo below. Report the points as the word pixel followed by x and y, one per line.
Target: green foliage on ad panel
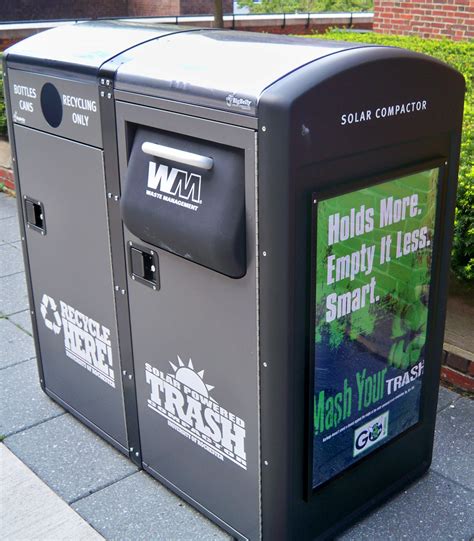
pixel 385 272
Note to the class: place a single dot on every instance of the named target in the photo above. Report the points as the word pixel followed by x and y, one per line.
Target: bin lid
pixel 221 69
pixel 83 47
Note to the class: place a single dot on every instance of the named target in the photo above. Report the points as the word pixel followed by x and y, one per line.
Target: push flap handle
pixel 176 155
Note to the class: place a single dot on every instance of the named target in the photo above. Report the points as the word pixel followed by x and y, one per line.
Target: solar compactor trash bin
pixel 58 87
pixel 287 208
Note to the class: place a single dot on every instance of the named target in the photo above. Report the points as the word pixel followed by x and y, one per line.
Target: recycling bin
pixel 287 210
pixel 62 131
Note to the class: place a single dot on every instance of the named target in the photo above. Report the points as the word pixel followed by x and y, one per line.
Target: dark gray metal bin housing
pixel 59 95
pixel 249 241
pixel 287 209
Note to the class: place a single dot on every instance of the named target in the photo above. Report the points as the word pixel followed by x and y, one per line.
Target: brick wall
pixel 20 10
pixel 196 7
pixel 150 8
pixel 426 18
pixel 458 368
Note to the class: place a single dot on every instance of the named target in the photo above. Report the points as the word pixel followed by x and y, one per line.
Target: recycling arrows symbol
pixel 46 302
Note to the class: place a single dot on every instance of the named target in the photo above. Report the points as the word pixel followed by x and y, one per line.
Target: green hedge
pixel 459 55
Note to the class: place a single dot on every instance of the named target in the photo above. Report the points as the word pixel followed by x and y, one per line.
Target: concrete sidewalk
pixel 91 479
pixel 31 510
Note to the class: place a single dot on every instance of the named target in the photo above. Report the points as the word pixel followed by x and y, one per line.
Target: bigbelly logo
pixel 174 186
pixel 368 435
pixel 182 398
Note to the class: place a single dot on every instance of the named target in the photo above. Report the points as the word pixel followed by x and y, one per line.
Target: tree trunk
pixel 218 14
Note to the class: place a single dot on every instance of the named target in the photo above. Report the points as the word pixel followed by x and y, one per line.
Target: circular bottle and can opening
pixel 51 105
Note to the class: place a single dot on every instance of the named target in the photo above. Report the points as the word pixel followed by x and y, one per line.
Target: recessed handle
pixel 176 155
pixel 144 266
pixel 34 214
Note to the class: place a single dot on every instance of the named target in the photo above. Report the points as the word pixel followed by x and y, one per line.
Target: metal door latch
pixel 143 265
pixel 34 214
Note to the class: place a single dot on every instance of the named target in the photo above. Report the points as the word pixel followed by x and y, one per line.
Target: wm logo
pixel 178 183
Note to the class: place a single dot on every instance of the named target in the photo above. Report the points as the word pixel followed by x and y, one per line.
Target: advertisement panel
pixel 372 280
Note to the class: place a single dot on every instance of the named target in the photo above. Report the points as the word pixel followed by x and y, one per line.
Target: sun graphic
pixel 194 380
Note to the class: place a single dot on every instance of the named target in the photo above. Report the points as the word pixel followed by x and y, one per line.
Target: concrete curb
pixel 34 511
pixel 458 368
pixel 6 178
pixel 6 172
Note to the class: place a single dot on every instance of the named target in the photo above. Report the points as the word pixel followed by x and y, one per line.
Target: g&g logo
pixel 369 434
